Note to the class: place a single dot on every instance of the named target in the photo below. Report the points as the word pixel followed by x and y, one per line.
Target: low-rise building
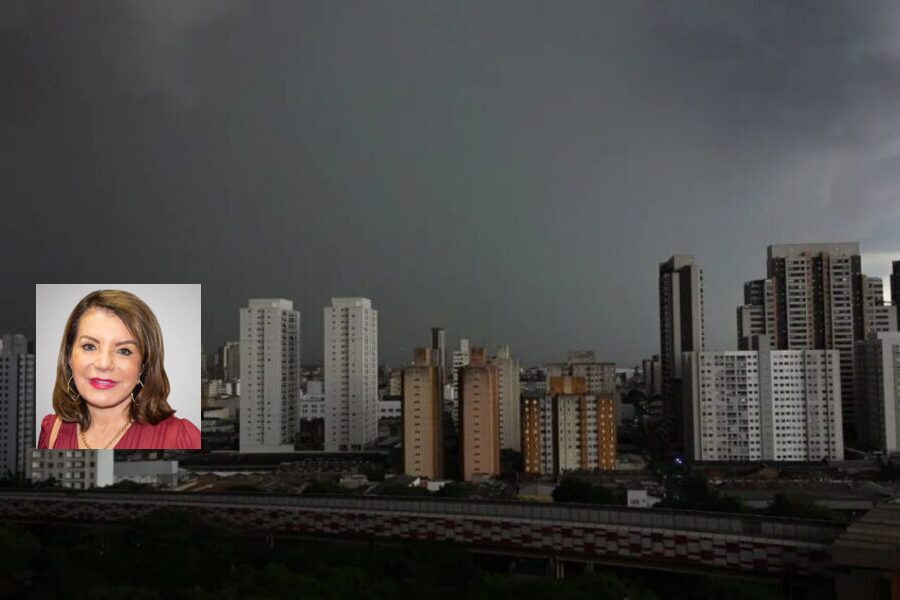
pixel 149 472
pixel 74 469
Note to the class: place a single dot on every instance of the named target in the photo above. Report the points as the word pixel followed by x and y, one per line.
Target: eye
pixel 125 352
pixel 88 347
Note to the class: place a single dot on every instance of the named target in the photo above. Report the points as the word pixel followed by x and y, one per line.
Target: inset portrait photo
pixel 118 366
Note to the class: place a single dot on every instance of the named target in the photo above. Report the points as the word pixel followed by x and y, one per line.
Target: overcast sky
pixel 512 171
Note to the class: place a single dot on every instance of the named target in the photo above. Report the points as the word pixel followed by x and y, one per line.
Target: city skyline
pixel 211 346
pixel 513 176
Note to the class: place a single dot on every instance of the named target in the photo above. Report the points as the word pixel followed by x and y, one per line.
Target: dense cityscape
pixel 798 421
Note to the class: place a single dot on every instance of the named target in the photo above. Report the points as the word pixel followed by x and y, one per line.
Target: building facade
pixel 878 386
pixel 779 405
pixel 814 298
pixel 681 329
pixel 508 391
pixel 422 410
pixel 874 316
pixel 230 354
pixel 568 429
pixel 895 283
pixel 73 469
pixel 479 418
pixel 351 374
pixel 459 360
pixel 439 351
pixel 651 369
pixel 17 403
pixel 270 375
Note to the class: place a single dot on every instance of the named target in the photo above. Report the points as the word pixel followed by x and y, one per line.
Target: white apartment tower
pixel 270 375
pixel 17 419
pixel 508 393
pixel 351 374
pixel 779 405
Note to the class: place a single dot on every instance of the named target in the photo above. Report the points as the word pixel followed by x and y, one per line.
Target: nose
pixel 103 361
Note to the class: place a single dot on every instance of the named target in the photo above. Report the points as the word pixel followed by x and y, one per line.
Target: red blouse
pixel 170 434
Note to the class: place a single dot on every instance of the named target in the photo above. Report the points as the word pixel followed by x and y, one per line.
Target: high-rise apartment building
pixel 439 351
pixel 17 418
pixel 815 297
pixel 757 315
pixel 568 429
pixel 351 374
pixel 460 359
pixel 479 418
pixel 395 383
pixel 895 283
pixel 651 369
pixel 270 375
pixel 422 417
pixel 878 387
pixel 873 316
pixel 508 390
pixel 599 377
pixel 230 361
pixel 780 405
pixel 681 330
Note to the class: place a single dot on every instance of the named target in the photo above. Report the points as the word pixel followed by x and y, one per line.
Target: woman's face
pixel 105 359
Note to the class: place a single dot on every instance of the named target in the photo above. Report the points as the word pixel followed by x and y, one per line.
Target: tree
pixel 401 489
pixel 372 472
pixel 634 396
pixel 511 462
pixel 325 487
pixel 800 507
pixel 571 489
pixel 456 489
pixel 690 491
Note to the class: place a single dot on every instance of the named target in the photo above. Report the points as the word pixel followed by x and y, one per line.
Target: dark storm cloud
pixel 513 172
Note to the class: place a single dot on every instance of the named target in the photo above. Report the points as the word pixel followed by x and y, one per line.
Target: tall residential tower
pixel 680 330
pixel 422 417
pixel 479 416
pixel 351 374
pixel 17 419
pixel 815 297
pixel 270 375
pixel 508 398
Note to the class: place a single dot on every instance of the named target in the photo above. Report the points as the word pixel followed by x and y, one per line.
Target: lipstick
pixel 103 384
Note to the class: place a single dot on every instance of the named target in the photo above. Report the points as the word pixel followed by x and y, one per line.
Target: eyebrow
pixel 93 339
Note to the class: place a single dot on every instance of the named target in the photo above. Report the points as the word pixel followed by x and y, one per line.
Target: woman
pixel 111 388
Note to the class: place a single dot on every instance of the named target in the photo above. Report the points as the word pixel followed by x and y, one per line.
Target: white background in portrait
pixel 177 308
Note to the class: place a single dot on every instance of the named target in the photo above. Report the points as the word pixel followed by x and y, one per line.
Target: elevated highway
pixel 643 538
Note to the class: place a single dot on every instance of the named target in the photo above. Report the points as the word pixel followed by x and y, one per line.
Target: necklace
pixel 109 443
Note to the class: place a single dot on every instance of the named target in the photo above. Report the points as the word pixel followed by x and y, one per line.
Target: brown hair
pixel 150 405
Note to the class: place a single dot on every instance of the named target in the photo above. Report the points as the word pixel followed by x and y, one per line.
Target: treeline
pixel 172 555
pixel 691 491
